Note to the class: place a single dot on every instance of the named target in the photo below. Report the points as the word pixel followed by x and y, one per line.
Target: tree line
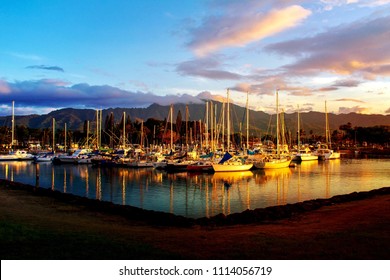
pixel 157 132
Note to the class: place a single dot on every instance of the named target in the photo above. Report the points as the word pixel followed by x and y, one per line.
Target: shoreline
pixel 249 216
pixel 37 222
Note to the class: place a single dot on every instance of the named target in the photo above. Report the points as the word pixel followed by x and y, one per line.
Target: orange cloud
pixel 360 48
pixel 233 31
pixel 355 109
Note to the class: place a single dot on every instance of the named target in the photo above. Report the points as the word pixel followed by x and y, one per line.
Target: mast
pixel 142 134
pixel 187 125
pixel 215 127
pixel 171 113
pixel 228 122
pixel 327 132
pixel 247 121
pixel 299 130
pixel 223 125
pixel 207 125
pixel 54 134
pixel 100 126
pixel 201 134
pixel 13 125
pixel 212 125
pixel 124 131
pixel 87 134
pixel 277 123
pixel 65 136
pixel 97 129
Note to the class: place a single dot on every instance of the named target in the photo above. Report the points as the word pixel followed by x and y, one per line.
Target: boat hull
pixel 273 164
pixel 200 167
pixel 308 157
pixel 231 167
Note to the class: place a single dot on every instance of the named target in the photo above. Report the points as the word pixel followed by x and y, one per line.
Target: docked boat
pixel 44 157
pixel 278 160
pixel 177 166
pixel 304 155
pixel 325 153
pixel 201 166
pixel 80 156
pixel 303 152
pixel 17 155
pixel 141 164
pixel 231 163
pixel 270 162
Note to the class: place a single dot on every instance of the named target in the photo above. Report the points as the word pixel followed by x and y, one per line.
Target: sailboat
pixel 278 160
pixel 324 151
pixel 303 153
pixel 18 154
pixel 229 162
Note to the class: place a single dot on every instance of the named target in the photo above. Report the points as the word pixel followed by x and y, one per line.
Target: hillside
pixel 259 122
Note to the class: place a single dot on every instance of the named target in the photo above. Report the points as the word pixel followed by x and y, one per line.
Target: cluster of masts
pixel 213 154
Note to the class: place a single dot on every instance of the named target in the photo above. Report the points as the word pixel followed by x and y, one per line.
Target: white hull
pixel 273 163
pixel 307 157
pixel 43 159
pixel 141 164
pixel 327 154
pixel 17 155
pixel 80 156
pixel 334 155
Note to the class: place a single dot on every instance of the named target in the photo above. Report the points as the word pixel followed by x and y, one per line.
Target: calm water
pixel 205 195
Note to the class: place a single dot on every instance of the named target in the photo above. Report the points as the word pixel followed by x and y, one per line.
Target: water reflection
pixel 204 195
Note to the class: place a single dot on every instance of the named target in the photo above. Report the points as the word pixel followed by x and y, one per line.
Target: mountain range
pixel 259 122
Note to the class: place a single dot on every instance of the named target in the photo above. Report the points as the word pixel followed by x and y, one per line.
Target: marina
pixel 196 195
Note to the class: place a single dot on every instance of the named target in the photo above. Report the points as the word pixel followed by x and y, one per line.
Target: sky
pixel 102 54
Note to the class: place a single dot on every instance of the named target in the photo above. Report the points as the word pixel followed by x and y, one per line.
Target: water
pixel 205 195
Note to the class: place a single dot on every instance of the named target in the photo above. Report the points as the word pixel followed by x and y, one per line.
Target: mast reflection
pixel 203 195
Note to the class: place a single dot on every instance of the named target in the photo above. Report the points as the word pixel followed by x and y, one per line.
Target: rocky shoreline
pixel 255 216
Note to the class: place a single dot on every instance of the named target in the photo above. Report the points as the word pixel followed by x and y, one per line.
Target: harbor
pixel 197 195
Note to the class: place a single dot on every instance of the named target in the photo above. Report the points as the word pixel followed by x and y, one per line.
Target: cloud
pixel 4 87
pixel 330 4
pixel 324 89
pixel 44 67
pixel 267 86
pixel 206 68
pixel 347 83
pixel 350 100
pixel 361 47
pixel 25 56
pixel 241 27
pixel 57 94
pixel 206 95
pixel 373 3
pixel 270 84
pixel 356 109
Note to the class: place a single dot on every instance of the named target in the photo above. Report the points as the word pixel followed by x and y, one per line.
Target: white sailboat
pixel 303 153
pixel 18 154
pixel 278 160
pixel 325 151
pixel 229 162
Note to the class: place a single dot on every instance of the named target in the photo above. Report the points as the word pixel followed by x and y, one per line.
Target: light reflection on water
pixel 205 195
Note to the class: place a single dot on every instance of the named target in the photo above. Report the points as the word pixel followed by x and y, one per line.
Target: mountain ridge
pixel 259 121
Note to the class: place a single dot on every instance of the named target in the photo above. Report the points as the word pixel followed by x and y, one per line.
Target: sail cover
pixel 226 157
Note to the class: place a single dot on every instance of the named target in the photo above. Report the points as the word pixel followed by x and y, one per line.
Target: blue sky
pixel 101 54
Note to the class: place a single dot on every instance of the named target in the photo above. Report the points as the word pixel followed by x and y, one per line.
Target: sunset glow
pixel 107 54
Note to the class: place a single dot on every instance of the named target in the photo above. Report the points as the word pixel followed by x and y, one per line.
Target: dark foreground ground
pixel 41 224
